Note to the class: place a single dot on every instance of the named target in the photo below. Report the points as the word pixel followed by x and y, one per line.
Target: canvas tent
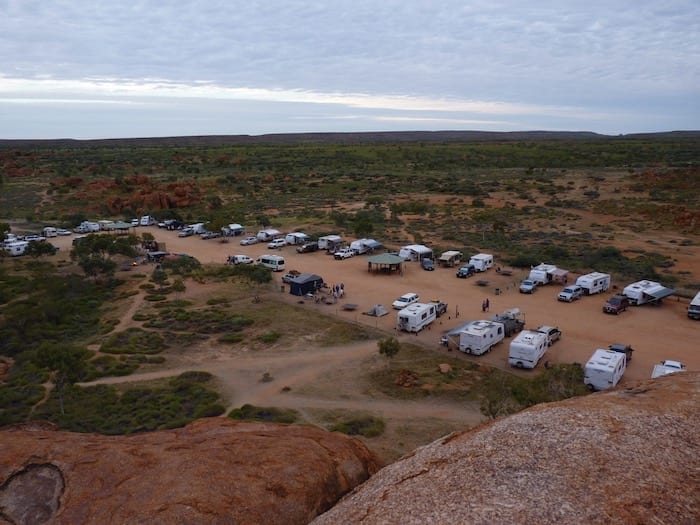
pixel 305 283
pixel 377 311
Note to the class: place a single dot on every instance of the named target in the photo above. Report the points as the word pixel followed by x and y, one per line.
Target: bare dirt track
pixel 329 378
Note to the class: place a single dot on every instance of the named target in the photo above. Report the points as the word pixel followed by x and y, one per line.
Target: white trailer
pixel 543 273
pixel 415 252
pixel 15 248
pixel 527 349
pixel 694 307
pixel 416 316
pixel 296 238
pixel 268 234
pixel 604 369
pixel 330 242
pixel 50 231
pixel 667 367
pixel 479 337
pixel 198 228
pixel 595 282
pixel 361 246
pixel 450 258
pixel 645 291
pixel 481 261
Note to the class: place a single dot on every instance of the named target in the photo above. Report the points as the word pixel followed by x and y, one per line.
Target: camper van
pixel 273 262
pixel 644 291
pixel 604 369
pixel 593 283
pixel 416 316
pixel 479 337
pixel 527 349
pixel 481 261
pixel 694 307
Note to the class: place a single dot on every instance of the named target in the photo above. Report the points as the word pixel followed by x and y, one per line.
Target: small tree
pixel 389 347
pixel 160 277
pixel 178 286
pixel 65 362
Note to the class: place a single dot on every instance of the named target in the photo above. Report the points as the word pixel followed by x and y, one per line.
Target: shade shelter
pixel 119 227
pixel 305 283
pixel 385 263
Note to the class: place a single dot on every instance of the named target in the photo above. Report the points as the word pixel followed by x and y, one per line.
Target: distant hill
pixel 348 138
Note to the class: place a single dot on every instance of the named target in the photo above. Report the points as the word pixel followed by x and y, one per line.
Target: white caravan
pixel 481 261
pixel 268 235
pixel 480 336
pixel 330 242
pixel 527 349
pixel 645 291
pixel 296 238
pixel 593 283
pixel 50 231
pixel 416 316
pixel 543 273
pixel 667 367
pixel 15 248
pixel 361 246
pixel 694 307
pixel 416 252
pixel 604 369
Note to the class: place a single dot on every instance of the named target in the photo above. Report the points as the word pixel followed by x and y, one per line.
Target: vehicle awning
pixel 661 293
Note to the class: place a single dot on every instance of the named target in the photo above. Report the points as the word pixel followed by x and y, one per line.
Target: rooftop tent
pixel 305 283
pixel 660 293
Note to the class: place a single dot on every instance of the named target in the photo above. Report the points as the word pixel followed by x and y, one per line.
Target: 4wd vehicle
pixel 277 243
pixel 240 259
pixel 624 349
pixel 209 235
pixel 552 332
pixel 427 264
pixel 616 304
pixel 570 293
pixel 405 300
pixel 440 307
pixel 528 286
pixel 308 247
pixel 287 277
pixel 248 240
pixel 344 253
pixel 466 271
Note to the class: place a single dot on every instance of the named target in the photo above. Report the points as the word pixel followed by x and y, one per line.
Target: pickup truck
pixel 344 253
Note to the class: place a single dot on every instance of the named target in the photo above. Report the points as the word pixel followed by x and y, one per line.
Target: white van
pixel 273 262
pixel 604 369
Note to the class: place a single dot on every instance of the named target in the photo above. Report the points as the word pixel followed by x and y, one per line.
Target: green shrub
pixel 134 341
pixel 269 337
pixel 230 338
pixel 267 414
pixel 367 426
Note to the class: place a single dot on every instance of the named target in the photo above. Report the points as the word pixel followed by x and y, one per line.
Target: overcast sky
pixel 107 68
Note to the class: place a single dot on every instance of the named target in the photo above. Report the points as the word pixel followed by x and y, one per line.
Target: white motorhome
pixel 604 369
pixel 481 261
pixel 479 337
pixel 645 291
pixel 694 307
pixel 273 262
pixel 268 234
pixel 667 367
pixel 330 242
pixel 295 238
pixel 595 282
pixel 415 252
pixel 15 248
pixel 416 316
pixel 50 231
pixel 527 349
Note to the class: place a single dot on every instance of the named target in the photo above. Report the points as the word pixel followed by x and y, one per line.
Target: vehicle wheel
pixel 468 350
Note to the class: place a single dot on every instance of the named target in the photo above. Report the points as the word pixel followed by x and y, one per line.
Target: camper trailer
pixel 416 316
pixel 644 291
pixel 481 261
pixel 593 283
pixel 147 220
pixel 542 273
pixel 527 349
pixel 15 248
pixel 362 246
pixel 296 238
pixel 268 234
pixel 233 230
pixel 330 243
pixel 694 307
pixel 479 337
pixel 415 252
pixel 50 231
pixel 604 369
pixel 450 258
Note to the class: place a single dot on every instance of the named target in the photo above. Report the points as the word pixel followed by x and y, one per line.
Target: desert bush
pixel 367 426
pixel 269 337
pixel 134 341
pixel 230 338
pixel 267 414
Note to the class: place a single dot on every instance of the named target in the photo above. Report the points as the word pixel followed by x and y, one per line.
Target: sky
pixel 152 68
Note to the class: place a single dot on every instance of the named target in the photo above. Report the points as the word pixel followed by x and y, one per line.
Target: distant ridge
pixel 346 138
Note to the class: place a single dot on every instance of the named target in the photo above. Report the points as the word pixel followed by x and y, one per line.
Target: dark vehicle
pixel 308 247
pixel 466 271
pixel 616 304
pixel 174 225
pixel 427 264
pixel 512 321
pixel 623 349
pixel 440 307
